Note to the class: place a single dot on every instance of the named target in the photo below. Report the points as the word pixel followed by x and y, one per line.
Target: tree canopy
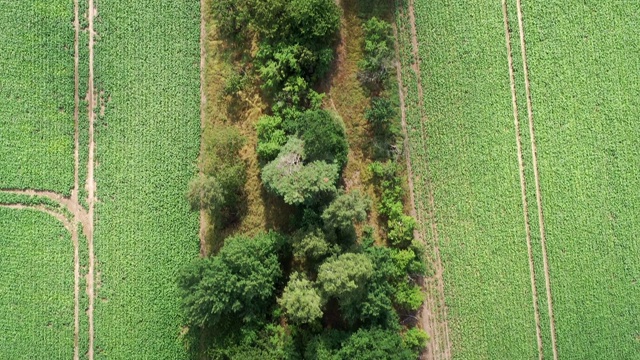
pixel 234 285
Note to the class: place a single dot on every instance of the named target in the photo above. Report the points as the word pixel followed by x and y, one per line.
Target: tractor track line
pixel 441 341
pixel 91 184
pixel 203 103
pixel 536 178
pixel 523 185
pixel 74 193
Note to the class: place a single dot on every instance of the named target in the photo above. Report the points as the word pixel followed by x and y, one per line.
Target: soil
pixel 91 185
pixel 203 105
pixel 523 185
pixel 536 177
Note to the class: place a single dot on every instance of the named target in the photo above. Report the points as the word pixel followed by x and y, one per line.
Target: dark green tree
pixel 235 285
pixel 324 137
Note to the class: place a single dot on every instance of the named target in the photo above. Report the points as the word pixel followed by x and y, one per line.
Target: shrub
pixel 271 137
pixel 378 53
pixel 415 339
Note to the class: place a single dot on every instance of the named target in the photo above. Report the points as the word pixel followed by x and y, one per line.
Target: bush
pixel 324 137
pixel 223 176
pixel 375 344
pixel 378 53
pixel 400 226
pixel 380 114
pixel 415 339
pixel 271 137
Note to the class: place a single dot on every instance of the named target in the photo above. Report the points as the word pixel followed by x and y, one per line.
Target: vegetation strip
pixel 536 177
pixel 442 332
pixel 523 187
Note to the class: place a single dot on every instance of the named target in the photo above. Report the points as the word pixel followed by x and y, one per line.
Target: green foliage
pixel 375 344
pixel 234 285
pixel 224 173
pixel 324 136
pixel 343 277
pixel 37 101
pixel 36 304
pixel 346 210
pixel 311 245
pixel 301 300
pixel 271 137
pixel 408 295
pixel 380 114
pixel 415 339
pixel 205 192
pixel 297 183
pixel 296 45
pixel 378 53
pixel 234 84
pixel 400 226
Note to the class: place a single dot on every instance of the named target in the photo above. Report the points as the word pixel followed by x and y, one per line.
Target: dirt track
pixel 536 178
pixel 523 184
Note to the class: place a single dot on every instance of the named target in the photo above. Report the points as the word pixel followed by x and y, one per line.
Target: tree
pixel 375 344
pixel 345 210
pixel 344 276
pixel 237 284
pixel 310 245
pixel 301 300
pixel 324 137
pixel 297 183
pixel 378 52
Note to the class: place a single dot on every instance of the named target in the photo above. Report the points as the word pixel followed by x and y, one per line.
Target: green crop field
pixel 585 87
pixel 466 148
pixel 585 82
pixel 36 278
pixel 147 64
pixel 36 95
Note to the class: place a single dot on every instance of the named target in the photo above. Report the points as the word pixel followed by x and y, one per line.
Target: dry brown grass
pixel 260 211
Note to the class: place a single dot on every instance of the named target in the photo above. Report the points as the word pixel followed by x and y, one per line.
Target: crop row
pixel 146 64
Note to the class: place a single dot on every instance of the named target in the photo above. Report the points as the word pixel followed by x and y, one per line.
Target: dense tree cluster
pixel 326 290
